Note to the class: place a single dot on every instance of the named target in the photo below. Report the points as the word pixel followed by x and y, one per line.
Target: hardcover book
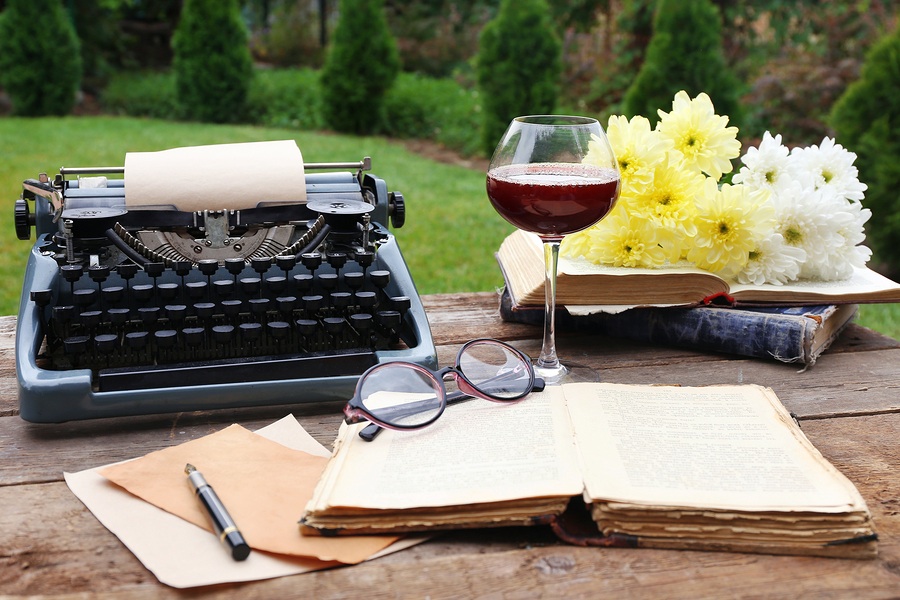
pixel 791 334
pixel 580 282
pixel 717 467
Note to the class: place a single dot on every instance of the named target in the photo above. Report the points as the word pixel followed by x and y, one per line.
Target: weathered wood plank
pixel 66 550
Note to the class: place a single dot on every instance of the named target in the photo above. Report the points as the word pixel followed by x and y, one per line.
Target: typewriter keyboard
pixel 159 325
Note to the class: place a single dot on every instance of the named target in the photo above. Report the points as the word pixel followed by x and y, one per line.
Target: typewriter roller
pixel 137 310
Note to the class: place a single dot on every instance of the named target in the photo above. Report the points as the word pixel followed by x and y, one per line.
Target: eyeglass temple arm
pixel 371 431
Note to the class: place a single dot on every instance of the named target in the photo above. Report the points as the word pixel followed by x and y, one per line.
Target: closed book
pixel 791 334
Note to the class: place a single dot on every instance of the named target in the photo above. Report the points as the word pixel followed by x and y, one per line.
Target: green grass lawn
pixel 448 241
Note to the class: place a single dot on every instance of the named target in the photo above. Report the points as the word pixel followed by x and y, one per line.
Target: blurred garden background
pixel 426 88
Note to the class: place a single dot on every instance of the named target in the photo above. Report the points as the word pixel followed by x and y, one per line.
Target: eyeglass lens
pixel 406 396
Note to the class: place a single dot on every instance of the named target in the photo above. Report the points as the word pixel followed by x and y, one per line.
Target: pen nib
pixel 189 468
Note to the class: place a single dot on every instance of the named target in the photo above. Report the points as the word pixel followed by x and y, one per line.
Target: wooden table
pixel 848 404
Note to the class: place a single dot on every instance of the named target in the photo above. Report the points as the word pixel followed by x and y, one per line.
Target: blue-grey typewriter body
pixel 140 311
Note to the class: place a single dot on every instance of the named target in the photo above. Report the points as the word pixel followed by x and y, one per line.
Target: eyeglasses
pixel 406 396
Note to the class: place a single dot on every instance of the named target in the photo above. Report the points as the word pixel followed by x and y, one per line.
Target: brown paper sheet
pixel 263 484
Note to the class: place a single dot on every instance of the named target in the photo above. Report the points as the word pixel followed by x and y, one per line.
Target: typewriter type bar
pixel 127 312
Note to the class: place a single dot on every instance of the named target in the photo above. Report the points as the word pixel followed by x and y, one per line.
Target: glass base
pixel 568 373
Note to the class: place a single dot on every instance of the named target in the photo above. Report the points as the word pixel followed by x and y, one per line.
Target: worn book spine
pixel 786 334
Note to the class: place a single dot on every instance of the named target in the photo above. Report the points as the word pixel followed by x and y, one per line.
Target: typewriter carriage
pixel 79 223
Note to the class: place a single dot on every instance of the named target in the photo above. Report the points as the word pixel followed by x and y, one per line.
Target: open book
pixel 580 282
pixel 718 467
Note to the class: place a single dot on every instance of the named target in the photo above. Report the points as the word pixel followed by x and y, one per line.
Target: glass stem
pixel 548 362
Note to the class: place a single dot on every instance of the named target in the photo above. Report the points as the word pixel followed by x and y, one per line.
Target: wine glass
pixel 553 175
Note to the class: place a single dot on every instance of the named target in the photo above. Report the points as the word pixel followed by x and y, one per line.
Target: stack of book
pixel 687 307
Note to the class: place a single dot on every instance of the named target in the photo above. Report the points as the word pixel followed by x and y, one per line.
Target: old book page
pixel 718 447
pixel 477 452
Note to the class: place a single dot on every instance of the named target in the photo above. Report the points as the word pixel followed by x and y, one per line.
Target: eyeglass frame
pixel 355 412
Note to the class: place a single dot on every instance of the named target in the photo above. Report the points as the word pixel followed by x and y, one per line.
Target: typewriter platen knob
pixel 397 209
pixel 24 220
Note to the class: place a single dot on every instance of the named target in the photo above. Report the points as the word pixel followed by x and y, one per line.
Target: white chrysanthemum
pixel 804 223
pixel 837 261
pixel 765 167
pixel 773 261
pixel 828 166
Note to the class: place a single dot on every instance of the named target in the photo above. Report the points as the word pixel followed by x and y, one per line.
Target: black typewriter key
pixel 311 260
pixel 208 266
pixel 250 332
pixel 154 269
pixel 235 266
pixel 259 306
pixel 76 346
pixel 286 304
pixel 340 301
pixel 204 310
pixel 223 336
pixel 328 281
pixel 401 304
pixel 286 263
pixel 232 308
pixel 127 271
pixel 251 285
pixel 278 330
pixel 261 264
pixel 176 313
pixel 63 313
pixel 312 303
pixel 183 267
pixel 337 260
pixel 84 297
pixel 90 319
pixel 166 340
pixel 275 285
pixel 148 314
pixel 143 292
pixel 193 336
pixel 136 343
pixel 112 295
pixel 106 343
pixel 168 291
pixel 380 279
pixel 365 259
pixel 196 289
pixel 41 297
pixel 334 326
pixel 72 273
pixel 366 300
pixel 98 273
pixel 355 280
pixel 224 287
pixel 306 329
pixel 388 319
pixel 303 282
pixel 118 316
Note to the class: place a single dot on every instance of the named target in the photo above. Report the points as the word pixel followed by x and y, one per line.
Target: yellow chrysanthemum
pixel 699 135
pixel 731 222
pixel 623 240
pixel 638 149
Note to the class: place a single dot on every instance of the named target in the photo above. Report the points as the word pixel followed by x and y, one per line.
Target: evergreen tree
pixel 360 68
pixel 866 120
pixel 685 53
pixel 212 63
pixel 519 66
pixel 40 60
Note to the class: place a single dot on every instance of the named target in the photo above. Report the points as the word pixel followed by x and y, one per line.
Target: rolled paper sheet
pixel 217 177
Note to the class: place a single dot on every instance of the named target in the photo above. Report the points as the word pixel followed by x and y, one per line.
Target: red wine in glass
pixel 553 175
pixel 553 199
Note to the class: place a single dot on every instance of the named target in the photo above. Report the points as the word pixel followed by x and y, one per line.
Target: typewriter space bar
pixel 235 371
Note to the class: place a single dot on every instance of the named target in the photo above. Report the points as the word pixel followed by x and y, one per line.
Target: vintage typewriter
pixel 139 310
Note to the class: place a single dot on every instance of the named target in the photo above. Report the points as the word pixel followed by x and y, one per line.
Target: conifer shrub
pixel 212 63
pixel 519 67
pixel 866 120
pixel 360 67
pixel 685 53
pixel 40 59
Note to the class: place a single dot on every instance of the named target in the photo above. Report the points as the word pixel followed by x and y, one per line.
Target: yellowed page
pixel 477 452
pixel 216 177
pixel 716 447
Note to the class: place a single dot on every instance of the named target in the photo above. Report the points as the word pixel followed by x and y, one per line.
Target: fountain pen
pixel 222 522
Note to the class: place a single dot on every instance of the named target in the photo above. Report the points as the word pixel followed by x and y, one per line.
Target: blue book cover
pixel 797 334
